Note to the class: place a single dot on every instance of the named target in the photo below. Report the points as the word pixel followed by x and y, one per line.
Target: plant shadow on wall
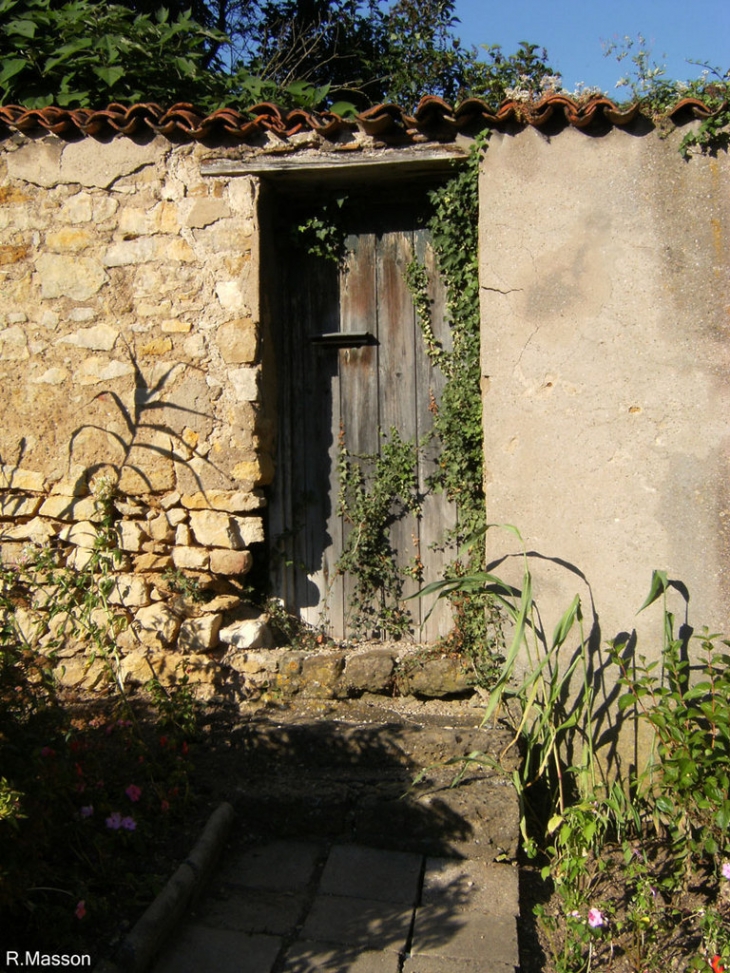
pixel 634 857
pixel 140 435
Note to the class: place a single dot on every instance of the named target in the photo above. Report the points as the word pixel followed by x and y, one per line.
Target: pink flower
pixel 87 811
pixel 80 909
pixel 48 752
pixel 726 870
pixel 595 918
pixel 114 821
pixel 129 824
pixel 133 792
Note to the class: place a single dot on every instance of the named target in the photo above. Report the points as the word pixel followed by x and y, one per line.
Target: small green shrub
pixel 638 864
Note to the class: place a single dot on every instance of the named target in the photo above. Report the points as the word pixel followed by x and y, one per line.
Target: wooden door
pixel 351 363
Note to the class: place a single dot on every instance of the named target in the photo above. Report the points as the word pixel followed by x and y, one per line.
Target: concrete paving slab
pixel 198 948
pixel 370 873
pixel 277 865
pixel 254 910
pixel 437 964
pixel 323 958
pixel 362 923
pixel 471 936
pixel 471 886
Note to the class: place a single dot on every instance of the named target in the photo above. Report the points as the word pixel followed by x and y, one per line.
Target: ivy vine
pixel 454 227
pixel 376 490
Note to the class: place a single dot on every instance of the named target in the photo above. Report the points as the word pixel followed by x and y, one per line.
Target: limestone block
pixel 132 535
pixel 36 530
pixel 230 562
pixel 27 625
pixel 79 558
pixel 136 667
pixel 321 675
pixel 69 239
pixel 176 516
pixel 88 163
pixel 16 505
pixel 195 346
pixel 80 673
pixel 149 468
pixel 370 672
pixel 193 558
pixel 36 163
pixel 15 478
pixel 71 508
pixel 170 500
pixel 10 254
pixel 230 501
pixel 52 376
pixel 183 536
pixel 14 344
pixel 213 528
pixel 81 534
pixel 436 677
pixel 206 211
pixel 199 634
pixel 252 633
pixel 176 326
pixel 229 294
pixel 130 590
pixel 237 341
pixel 153 562
pixel 245 383
pixel 72 485
pixel 78 279
pixel 160 529
pixel 101 337
pixel 259 471
pixel 156 624
pixel 78 209
pixel 130 252
pixel 94 370
pixel 155 346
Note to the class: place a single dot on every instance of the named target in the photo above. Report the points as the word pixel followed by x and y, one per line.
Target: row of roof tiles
pixel 434 119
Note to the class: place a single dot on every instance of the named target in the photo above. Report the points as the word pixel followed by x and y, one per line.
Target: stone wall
pixel 130 353
pixel 605 276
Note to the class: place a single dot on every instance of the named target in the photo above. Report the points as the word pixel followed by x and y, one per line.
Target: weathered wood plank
pixel 361 391
pixel 439 515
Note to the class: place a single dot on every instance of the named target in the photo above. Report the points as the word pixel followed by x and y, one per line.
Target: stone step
pixel 389 785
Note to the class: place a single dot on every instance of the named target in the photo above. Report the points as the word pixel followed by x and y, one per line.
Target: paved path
pixel 305 906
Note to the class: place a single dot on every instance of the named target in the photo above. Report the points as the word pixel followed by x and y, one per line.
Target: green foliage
pixel 87 794
pixel 458 416
pixel 80 53
pixel 649 85
pixel 621 856
pixel 376 490
pixel 322 232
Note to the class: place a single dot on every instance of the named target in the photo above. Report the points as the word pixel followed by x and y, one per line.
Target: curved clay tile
pixel 270 116
pixel 698 108
pixel 434 118
pixel 381 119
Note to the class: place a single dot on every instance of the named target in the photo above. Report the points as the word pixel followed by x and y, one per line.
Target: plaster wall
pixel 605 290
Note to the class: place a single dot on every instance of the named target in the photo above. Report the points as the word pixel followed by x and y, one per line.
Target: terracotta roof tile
pixel 433 119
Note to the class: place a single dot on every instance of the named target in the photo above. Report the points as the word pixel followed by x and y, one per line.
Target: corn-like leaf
pixel 659 584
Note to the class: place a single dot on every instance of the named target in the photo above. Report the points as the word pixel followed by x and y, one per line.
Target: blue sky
pixel 575 32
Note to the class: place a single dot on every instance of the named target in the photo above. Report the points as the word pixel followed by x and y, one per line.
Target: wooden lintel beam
pixel 393 160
